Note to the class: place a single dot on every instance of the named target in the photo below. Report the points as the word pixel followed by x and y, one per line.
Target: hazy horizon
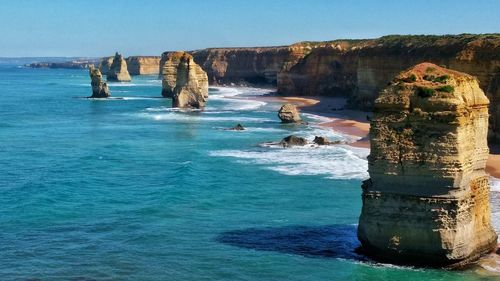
pixel 35 28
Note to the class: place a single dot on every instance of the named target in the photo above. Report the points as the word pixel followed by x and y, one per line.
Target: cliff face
pixel 184 81
pixel 359 69
pixel 427 201
pixel 143 65
pixel 246 65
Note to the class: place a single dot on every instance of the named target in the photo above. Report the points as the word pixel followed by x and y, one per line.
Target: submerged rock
pixel 184 81
pixel 293 141
pixel 99 88
pixel 427 201
pixel 118 70
pixel 289 113
pixel 238 127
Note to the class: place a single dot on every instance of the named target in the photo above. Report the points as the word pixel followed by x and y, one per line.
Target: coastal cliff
pixel 184 81
pixel 427 199
pixel 105 64
pixel 246 66
pixel 359 69
pixel 136 65
pixel 143 65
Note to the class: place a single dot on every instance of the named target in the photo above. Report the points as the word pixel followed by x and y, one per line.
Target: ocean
pixel 130 189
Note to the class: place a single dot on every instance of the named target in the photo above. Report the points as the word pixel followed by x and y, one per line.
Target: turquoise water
pixel 129 189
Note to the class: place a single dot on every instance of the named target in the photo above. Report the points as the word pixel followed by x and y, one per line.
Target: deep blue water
pixel 129 189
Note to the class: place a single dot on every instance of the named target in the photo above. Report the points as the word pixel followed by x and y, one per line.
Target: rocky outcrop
pixel 118 70
pixel 99 88
pixel 359 69
pixel 289 113
pixel 293 141
pixel 143 65
pixel 184 81
pixel 427 199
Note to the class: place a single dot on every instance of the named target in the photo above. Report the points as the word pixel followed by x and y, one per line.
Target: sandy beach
pixel 355 123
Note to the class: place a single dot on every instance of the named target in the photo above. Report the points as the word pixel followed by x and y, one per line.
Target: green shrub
pixel 410 79
pixel 446 89
pixel 425 92
pixel 442 78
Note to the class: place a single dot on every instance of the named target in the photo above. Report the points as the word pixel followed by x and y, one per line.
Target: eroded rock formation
pixel 289 113
pixel 118 70
pixel 427 199
pixel 184 81
pixel 99 87
pixel 143 65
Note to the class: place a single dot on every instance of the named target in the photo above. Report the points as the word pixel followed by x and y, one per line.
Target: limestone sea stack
pixel 289 113
pixel 427 199
pixel 118 70
pixel 99 88
pixel 184 81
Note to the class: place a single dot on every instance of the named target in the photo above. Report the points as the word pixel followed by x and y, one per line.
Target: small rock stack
pixel 99 88
pixel 427 201
pixel 118 70
pixel 289 113
pixel 184 81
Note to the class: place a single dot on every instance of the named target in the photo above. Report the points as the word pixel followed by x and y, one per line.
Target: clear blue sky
pixel 142 27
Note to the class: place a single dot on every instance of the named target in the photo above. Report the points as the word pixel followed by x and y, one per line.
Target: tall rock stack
pixel 184 81
pixel 427 201
pixel 118 70
pixel 99 88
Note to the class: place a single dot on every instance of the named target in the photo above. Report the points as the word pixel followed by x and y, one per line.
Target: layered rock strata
pixel 99 87
pixel 427 199
pixel 143 65
pixel 184 81
pixel 118 70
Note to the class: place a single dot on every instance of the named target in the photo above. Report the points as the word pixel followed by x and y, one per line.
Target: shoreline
pixel 354 123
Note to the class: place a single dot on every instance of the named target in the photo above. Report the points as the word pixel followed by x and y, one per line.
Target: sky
pixel 149 27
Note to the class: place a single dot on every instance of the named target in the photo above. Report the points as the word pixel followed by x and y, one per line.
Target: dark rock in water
pixel 321 140
pixel 99 88
pixel 238 127
pixel 293 141
pixel 289 113
pixel 324 141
